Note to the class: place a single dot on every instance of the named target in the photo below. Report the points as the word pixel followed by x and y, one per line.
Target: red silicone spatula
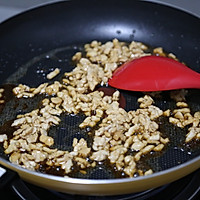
pixel 154 73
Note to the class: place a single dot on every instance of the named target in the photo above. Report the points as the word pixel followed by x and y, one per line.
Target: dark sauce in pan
pixel 7 95
pixel 7 129
pixel 54 170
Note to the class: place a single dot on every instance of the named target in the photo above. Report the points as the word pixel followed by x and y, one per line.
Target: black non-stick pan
pixel 34 42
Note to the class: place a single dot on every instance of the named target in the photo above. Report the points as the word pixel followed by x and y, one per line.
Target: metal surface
pixel 26 39
pixel 2 171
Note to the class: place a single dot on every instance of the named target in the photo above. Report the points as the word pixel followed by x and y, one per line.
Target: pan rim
pixel 101 181
pixel 47 4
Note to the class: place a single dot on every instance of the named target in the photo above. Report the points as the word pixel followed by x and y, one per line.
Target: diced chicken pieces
pixel 47 140
pixel 54 73
pixel 99 155
pixel 3 137
pixel 80 148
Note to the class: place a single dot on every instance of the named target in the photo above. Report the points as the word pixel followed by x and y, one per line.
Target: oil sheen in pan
pixel 34 73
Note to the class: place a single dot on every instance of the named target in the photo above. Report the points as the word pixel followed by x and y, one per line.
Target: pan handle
pixel 9 178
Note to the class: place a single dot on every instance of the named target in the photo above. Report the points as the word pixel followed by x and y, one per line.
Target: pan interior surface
pixel 35 72
pixel 34 43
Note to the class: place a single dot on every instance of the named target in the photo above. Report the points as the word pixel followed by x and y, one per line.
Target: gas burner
pixel 139 195
pixel 185 188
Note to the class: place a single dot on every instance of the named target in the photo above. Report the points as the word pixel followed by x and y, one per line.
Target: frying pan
pixel 61 29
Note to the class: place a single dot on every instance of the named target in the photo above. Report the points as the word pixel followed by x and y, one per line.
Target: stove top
pixel 187 188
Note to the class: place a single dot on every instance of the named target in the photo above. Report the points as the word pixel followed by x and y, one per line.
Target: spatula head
pixel 154 73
